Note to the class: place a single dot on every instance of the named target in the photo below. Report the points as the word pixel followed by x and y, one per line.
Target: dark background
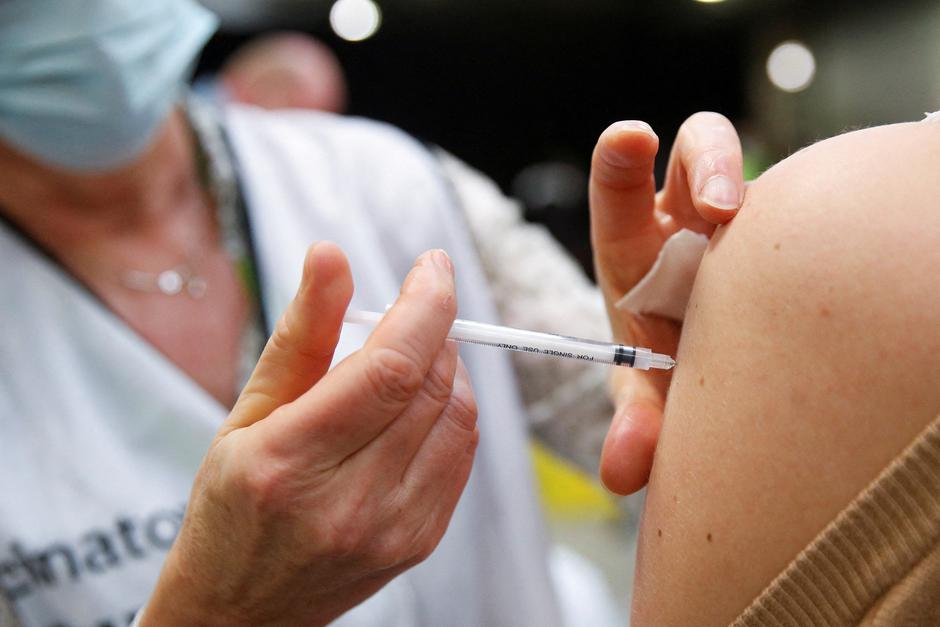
pixel 504 84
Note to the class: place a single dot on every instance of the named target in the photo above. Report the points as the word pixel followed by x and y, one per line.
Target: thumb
pixel 627 456
pixel 624 232
pixel 300 350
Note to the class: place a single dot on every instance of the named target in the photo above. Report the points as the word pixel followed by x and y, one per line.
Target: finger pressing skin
pixel 301 348
pixel 359 398
pixel 705 177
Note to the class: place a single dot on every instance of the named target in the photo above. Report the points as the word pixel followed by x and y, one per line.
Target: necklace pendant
pixel 170 282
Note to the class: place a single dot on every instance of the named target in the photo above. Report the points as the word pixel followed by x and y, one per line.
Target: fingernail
pixel 306 272
pixel 637 125
pixel 442 260
pixel 721 193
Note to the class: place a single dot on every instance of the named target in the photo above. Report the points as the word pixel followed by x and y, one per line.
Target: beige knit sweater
pixel 877 564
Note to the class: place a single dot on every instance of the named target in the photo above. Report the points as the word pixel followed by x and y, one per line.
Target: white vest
pixel 100 435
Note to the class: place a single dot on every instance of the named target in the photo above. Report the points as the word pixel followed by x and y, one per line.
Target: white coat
pixel 100 435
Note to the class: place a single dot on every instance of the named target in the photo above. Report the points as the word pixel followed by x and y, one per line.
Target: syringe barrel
pixel 540 343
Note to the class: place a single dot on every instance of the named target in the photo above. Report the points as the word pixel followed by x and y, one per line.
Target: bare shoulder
pixel 887 174
pixel 809 359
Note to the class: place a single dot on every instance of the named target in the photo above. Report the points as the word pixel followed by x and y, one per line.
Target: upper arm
pixel 810 358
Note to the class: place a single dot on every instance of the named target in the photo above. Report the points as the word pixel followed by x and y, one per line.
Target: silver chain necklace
pixel 181 278
pixel 184 278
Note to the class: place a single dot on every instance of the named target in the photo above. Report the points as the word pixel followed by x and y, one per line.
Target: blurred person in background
pixel 155 245
pixel 285 70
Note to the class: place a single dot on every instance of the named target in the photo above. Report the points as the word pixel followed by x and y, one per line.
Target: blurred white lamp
pixel 355 20
pixel 791 66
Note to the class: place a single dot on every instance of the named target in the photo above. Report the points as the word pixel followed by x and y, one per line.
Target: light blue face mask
pixel 85 84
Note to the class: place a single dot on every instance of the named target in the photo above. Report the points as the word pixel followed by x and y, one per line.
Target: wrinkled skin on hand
pixel 323 485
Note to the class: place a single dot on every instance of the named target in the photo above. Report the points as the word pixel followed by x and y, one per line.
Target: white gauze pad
pixel 666 288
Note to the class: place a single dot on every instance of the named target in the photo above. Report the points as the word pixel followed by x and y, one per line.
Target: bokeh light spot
pixel 791 66
pixel 355 20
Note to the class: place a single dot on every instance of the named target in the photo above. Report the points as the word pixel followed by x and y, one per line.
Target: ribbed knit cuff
pixel 872 545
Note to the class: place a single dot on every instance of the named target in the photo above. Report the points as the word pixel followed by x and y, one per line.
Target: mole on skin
pixel 701 381
pixel 825 312
pixel 709 537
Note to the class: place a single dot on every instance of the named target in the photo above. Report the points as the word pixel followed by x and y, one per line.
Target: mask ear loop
pixel 222 170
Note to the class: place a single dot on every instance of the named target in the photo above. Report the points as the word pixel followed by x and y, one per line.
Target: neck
pixel 60 207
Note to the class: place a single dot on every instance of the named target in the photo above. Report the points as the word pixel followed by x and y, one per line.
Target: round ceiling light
pixel 791 66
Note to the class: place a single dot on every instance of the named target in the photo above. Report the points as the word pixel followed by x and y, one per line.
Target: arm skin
pixel 810 357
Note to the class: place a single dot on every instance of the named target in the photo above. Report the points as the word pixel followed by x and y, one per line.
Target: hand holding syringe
pixel 537 343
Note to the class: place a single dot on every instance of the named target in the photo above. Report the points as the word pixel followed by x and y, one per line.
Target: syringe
pixel 537 343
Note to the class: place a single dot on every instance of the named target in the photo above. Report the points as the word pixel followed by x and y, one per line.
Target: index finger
pixel 705 177
pixel 355 402
pixel 416 326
